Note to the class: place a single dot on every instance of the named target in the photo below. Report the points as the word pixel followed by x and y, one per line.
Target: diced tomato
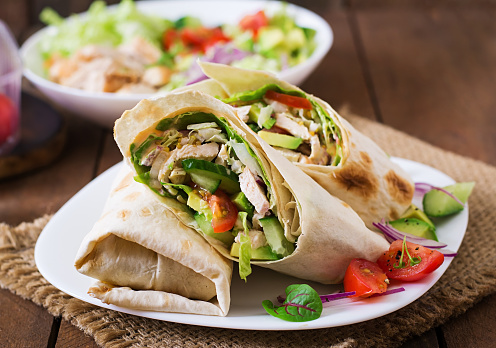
pixel 8 117
pixel 194 39
pixel 168 38
pixel 290 100
pixel 365 278
pixel 254 22
pixel 423 261
pixel 224 212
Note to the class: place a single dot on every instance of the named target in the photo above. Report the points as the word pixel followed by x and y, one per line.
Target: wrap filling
pixel 292 122
pixel 197 159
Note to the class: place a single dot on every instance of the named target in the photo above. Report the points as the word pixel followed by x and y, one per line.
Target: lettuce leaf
pixel 99 26
pixel 244 249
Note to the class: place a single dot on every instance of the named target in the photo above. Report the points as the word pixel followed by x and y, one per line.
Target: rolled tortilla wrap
pixel 319 234
pixel 144 258
pixel 342 160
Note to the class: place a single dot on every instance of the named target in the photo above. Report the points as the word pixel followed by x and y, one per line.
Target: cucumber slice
pixel 212 175
pixel 261 253
pixel 437 203
pixel 208 183
pixel 274 233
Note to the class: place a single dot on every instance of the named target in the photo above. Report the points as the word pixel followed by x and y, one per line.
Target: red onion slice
pixel 336 296
pixel 389 292
pixel 393 234
pixel 423 188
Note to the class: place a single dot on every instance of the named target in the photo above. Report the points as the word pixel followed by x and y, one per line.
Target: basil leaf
pixel 302 303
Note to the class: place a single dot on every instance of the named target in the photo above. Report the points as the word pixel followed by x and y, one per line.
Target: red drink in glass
pixel 10 91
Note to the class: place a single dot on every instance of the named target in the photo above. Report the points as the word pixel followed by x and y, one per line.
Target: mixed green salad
pixel 199 161
pixel 293 123
pixel 116 48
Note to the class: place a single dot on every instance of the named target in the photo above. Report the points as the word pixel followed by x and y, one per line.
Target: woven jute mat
pixel 470 277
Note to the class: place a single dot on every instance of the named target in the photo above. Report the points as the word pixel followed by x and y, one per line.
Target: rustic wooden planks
pixel 339 79
pixel 23 323
pixel 433 74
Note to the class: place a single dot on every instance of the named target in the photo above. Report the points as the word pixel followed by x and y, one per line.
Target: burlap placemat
pixel 470 277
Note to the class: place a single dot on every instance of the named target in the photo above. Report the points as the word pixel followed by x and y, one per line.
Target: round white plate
pixel 58 243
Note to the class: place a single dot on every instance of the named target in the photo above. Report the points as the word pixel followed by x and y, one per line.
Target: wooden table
pixel 429 71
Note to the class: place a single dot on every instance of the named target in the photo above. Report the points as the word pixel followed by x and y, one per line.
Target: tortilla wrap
pixel 365 177
pixel 144 258
pixel 326 232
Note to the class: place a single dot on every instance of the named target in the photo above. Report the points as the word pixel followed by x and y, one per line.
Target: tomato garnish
pixel 168 38
pixel 254 22
pixel 194 39
pixel 224 211
pixel 290 100
pixel 408 261
pixel 365 278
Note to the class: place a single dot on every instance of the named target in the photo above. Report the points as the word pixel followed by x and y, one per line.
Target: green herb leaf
pixel 302 303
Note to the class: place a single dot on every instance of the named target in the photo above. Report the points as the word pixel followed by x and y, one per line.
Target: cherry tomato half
pixel 428 261
pixel 224 212
pixel 365 278
pixel 290 100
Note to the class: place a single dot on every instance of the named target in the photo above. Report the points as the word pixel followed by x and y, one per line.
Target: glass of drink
pixel 10 91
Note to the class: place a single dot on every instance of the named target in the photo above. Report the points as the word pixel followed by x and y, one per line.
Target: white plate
pixel 59 241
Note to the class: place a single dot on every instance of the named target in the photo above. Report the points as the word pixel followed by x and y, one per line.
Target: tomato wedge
pixel 365 278
pixel 168 38
pixel 194 39
pixel 421 262
pixel 254 22
pixel 224 212
pixel 290 100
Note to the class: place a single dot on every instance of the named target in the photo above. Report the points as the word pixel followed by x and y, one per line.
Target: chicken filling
pixel 197 159
pixel 292 123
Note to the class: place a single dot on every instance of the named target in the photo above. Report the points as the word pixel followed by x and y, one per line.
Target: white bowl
pixel 105 108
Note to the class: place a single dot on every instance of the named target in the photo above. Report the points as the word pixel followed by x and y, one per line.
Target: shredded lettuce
pixel 244 248
pixel 100 26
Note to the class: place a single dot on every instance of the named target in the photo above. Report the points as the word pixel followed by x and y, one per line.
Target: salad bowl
pixel 104 108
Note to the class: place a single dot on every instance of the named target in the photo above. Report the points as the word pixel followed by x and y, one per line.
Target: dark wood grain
pixel 427 340
pixel 15 14
pixel 22 323
pixel 71 336
pixel 475 328
pixel 339 79
pixel 434 75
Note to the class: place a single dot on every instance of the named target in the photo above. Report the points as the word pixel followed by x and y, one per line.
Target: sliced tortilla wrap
pixel 319 234
pixel 359 172
pixel 144 258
